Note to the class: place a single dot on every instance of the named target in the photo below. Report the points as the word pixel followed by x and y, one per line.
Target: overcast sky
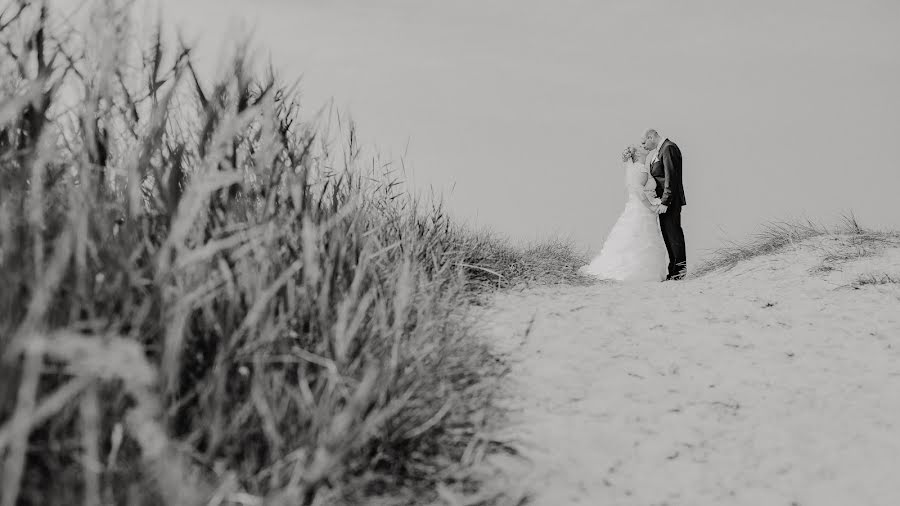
pixel 782 108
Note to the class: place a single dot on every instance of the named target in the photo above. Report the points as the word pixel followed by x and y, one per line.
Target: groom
pixel 665 167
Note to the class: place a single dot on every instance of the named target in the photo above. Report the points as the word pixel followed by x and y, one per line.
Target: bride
pixel 634 249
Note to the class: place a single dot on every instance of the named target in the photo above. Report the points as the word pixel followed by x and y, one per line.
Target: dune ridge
pixel 768 380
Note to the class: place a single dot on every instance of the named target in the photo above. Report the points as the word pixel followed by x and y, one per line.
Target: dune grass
pixel 772 238
pixel 494 261
pixel 876 279
pixel 776 236
pixel 207 299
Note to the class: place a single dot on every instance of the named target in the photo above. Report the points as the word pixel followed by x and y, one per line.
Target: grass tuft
pixel 776 236
pixel 875 280
pixel 208 299
pixel 494 261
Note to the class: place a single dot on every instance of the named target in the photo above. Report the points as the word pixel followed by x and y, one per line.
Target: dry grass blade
pixel 347 327
pixel 256 311
pixel 90 437
pixel 211 248
pixel 431 422
pixel 14 462
pixel 48 407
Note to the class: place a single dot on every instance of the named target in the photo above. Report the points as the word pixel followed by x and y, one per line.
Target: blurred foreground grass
pixel 207 299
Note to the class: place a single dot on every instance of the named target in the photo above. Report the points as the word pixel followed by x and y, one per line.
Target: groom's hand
pixel 662 209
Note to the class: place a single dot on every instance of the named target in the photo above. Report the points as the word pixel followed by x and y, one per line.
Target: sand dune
pixel 776 382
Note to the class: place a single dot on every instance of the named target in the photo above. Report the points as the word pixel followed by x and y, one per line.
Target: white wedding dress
pixel 634 249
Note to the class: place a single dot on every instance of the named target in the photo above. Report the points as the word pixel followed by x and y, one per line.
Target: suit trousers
pixel 673 236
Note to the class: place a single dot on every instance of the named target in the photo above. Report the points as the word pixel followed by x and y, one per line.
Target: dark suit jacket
pixel 667 172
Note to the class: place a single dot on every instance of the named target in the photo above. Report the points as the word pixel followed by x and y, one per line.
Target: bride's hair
pixel 629 154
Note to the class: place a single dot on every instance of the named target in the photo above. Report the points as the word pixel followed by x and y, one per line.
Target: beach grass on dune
pixel 494 261
pixel 207 298
pixel 875 279
pixel 778 235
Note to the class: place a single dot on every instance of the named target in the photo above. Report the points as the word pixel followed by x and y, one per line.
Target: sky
pixel 519 109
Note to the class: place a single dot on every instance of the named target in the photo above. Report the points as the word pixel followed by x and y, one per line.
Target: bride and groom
pixel 647 242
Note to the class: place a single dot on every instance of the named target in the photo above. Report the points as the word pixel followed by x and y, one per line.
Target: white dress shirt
pixel 660 208
pixel 654 155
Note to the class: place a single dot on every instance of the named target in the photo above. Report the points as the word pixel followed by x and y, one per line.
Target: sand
pixel 776 382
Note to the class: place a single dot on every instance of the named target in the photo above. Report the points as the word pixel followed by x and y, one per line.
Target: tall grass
pixel 206 299
pixel 778 235
pixel 493 261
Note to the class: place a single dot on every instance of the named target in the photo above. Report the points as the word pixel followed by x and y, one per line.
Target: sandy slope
pixel 772 383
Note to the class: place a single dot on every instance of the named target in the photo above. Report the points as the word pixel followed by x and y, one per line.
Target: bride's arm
pixel 647 197
pixel 650 194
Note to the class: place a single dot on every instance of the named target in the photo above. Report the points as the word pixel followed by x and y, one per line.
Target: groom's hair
pixel 650 132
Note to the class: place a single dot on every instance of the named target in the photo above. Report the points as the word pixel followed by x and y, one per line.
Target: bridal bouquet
pixel 628 154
